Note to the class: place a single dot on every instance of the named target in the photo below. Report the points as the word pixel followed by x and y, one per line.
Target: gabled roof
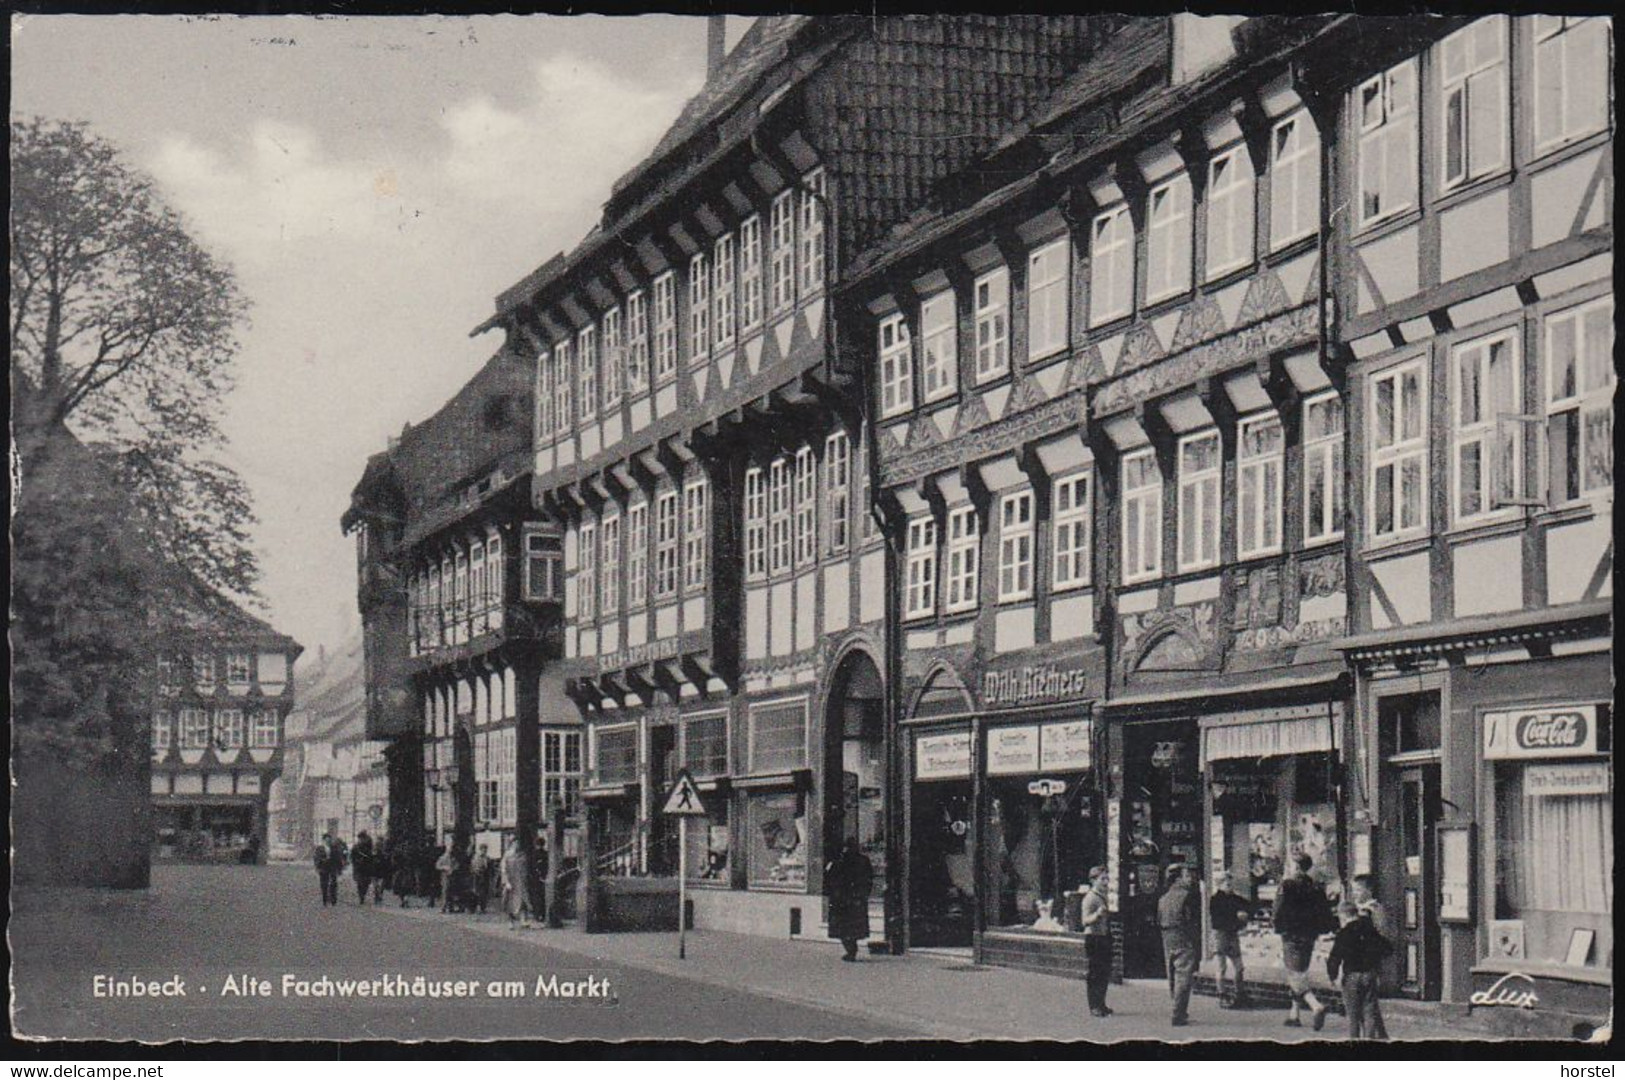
pixel 197 611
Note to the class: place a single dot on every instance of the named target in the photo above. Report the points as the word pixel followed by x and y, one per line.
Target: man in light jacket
pixel 1095 916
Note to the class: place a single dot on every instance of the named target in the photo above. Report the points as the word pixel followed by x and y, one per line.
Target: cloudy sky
pixel 375 182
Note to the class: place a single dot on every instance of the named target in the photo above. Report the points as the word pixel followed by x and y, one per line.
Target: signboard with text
pixel 941 757
pixel 1542 732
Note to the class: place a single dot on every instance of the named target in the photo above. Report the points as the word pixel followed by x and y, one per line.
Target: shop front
pixel 941 875
pixel 1158 824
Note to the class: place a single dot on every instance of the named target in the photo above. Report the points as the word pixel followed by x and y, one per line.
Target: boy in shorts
pixel 1227 913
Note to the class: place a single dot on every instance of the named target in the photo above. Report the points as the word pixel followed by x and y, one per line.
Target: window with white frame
pixel 699 310
pixel 194 729
pixel 543 566
pixel 755 523
pixel 992 293
pixel 561 771
pixel 564 386
pixel 806 506
pixel 896 367
pixel 750 273
pixel 665 326
pixel 939 352
pixel 1016 546
pixel 722 290
pixel 1385 116
pixel 1199 469
pixel 920 591
pixel 1580 400
pixel 779 522
pixel 493 571
pixel 461 598
pixel 812 232
pixel 228 729
pixel 484 780
pixel 838 489
pixel 168 683
pixel 1072 507
pixel 609 591
pixel 637 554
pixel 237 669
pixel 1229 211
pixel 1260 443
pixel 1168 239
pixel 587 573
pixel 1142 516
pixel 781 238
pixel 614 357
pixel 587 372
pixel 265 732
pixel 1322 467
pixel 1487 399
pixel 1398 455
pixel 1294 179
pixel 962 551
pixel 1111 265
pixel 506 774
pixel 696 518
pixel 637 342
pixel 666 551
pixel 162 730
pixel 1572 82
pixel 1047 297
pixel 1473 121
pixel 546 406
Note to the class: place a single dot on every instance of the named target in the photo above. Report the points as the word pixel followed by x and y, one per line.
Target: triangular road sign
pixel 684 797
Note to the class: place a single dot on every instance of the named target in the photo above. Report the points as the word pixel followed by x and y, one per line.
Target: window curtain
pixel 1568 854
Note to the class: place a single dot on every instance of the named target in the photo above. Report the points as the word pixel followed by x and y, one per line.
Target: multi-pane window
pixel 665 329
pixel 1572 86
pixel 1322 467
pixel 1473 101
pixel 695 519
pixel 812 233
pixel 1199 467
pixel 228 729
pixel 962 551
pixel 1385 113
pixel 564 385
pixel 546 406
pixel 838 489
pixel 920 593
pixel 755 523
pixel 168 683
pixel 162 731
pixel 609 591
pixel 992 292
pixel 1016 546
pixel 666 551
pixel 1294 179
pixel 1487 456
pixel 1398 457
pixel 637 342
pixel 699 310
pixel 542 566
pixel 263 732
pixel 1072 506
pixel 1111 265
pixel 237 669
pixel 587 573
pixel 1047 295
pixel 614 357
pixel 194 729
pixel 1259 446
pixel 722 290
pixel 705 745
pixel 637 554
pixel 561 771
pixel 507 760
pixel 1142 516
pixel 778 514
pixel 1580 400
pixel 1229 211
pixel 1168 239
pixel 806 506
pixel 750 273
pixel 587 372
pixel 460 600
pixel 203 672
pixel 896 367
pixel 939 353
pixel 781 230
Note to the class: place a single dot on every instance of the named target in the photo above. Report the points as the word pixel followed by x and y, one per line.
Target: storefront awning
pixel 1261 733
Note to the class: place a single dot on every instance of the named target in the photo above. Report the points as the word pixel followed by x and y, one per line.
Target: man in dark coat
pixel 322 858
pixel 848 880
pixel 1302 914
pixel 362 863
pixel 1179 914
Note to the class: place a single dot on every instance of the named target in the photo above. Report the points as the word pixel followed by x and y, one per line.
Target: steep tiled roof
pixel 196 610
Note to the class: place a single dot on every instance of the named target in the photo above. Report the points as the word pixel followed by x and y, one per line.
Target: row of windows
pixel 1490 426
pixel 731 291
pixel 775 739
pixel 673 531
pixel 1472 89
pixel 192 729
pixel 458 598
pixel 783 501
pixel 238 666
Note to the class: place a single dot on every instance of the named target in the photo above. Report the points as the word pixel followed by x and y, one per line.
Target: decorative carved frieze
pixel 903 466
pixel 972 415
pixel 1258 597
pixel 1140 347
pixel 1200 321
pixel 1266 296
pixel 1321 576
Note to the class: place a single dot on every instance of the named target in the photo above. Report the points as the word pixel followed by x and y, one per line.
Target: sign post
pixel 683 802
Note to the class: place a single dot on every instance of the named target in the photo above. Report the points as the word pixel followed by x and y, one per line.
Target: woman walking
pixel 516 885
pixel 848 880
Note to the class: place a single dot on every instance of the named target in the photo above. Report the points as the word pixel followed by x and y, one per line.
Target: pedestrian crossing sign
pixel 684 797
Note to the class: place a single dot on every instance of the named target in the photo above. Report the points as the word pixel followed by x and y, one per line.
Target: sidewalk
pixel 941 997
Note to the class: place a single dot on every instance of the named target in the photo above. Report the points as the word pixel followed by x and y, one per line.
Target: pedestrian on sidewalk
pixel 480 869
pixel 1359 951
pixel 381 869
pixel 1363 891
pixel 1179 914
pixel 361 862
pixel 848 880
pixel 403 868
pixel 1227 913
pixel 1095 915
pixel 443 865
pixel 1302 914
pixel 516 885
pixel 320 858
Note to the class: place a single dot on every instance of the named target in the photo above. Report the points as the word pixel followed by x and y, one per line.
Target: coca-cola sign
pixel 1554 731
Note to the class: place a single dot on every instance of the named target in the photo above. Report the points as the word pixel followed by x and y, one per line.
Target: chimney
pixel 716 44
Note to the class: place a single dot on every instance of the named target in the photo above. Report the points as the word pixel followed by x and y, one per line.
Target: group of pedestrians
pixel 444 874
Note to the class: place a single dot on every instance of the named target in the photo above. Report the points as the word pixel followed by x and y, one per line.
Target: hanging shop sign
pixel 1557 731
pixel 1577 778
pixel 1065 746
pixel 1046 788
pixel 939 757
pixel 1032 684
pixel 1012 750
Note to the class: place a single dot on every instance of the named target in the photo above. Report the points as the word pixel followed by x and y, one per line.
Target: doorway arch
pixel 855 760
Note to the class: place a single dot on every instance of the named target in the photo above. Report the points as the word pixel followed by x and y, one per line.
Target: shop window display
pixel 1041 848
pixel 708 844
pixel 1162 809
pixel 941 879
pixel 776 830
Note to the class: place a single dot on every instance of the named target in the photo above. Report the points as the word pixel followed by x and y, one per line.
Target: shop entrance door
pixel 1162 806
pixel 1420 969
